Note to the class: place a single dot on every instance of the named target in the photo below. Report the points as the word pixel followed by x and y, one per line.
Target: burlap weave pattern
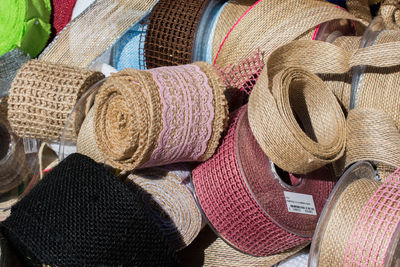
pixel 175 210
pixel 171 32
pixel 390 12
pixel 42 96
pixel 270 24
pixel 95 30
pixel 133 112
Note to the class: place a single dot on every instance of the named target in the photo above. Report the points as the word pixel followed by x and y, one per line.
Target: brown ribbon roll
pixel 171 32
pixel 160 116
pixel 43 95
pixel 390 12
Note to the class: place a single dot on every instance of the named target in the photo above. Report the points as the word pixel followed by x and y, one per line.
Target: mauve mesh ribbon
pixel 231 208
pixel 62 12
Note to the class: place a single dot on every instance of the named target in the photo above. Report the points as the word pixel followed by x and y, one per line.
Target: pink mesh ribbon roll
pixel 242 194
pixel 375 237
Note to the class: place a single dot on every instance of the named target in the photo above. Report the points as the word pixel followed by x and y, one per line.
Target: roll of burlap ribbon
pixel 43 95
pixel 171 32
pixel 321 57
pixel 360 224
pixel 160 116
pixel 13 167
pixel 94 31
pixel 248 200
pixel 209 250
pixel 360 9
pixel 268 25
pixel 390 12
pixel 170 202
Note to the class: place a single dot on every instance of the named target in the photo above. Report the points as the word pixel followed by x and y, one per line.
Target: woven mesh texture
pixel 10 63
pixel 81 215
pixel 62 12
pixel 171 31
pixel 390 12
pixel 171 203
pixel 299 259
pixel 43 95
pixel 230 207
pixel 161 116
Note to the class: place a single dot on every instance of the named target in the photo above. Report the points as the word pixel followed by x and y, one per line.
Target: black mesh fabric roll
pixel 81 215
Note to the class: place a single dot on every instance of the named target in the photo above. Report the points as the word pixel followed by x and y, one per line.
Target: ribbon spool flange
pixel 251 218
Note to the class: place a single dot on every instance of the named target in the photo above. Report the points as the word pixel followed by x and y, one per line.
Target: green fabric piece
pixel 25 24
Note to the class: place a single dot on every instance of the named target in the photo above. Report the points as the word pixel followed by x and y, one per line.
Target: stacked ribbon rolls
pixel 43 95
pixel 160 116
pixel 243 197
pixel 359 225
pixel 170 201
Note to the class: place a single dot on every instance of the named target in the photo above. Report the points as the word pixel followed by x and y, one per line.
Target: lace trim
pixel 188 113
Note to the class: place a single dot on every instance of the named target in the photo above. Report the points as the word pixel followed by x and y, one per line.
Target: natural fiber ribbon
pixel 95 30
pixel 318 57
pixel 374 240
pixel 230 188
pixel 171 32
pixel 160 116
pixel 170 202
pixel 42 97
pixel 13 167
pixel 268 25
pixel 360 9
pixel 209 250
pixel 390 12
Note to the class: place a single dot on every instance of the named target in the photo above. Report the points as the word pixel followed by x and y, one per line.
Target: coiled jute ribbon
pixel 390 12
pixel 268 25
pixel 170 202
pixel 242 194
pixel 43 95
pixel 209 250
pixel 322 57
pixel 13 167
pixel 94 31
pixel 360 224
pixel 171 32
pixel 161 116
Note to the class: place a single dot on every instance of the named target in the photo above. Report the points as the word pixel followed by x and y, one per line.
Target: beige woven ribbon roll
pixel 268 25
pixel 209 250
pixel 390 12
pixel 170 202
pixel 42 97
pixel 95 30
pixel 278 101
pixel 160 116
pixel 320 57
pixel 360 9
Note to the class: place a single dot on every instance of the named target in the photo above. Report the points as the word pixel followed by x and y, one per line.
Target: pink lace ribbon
pixel 188 114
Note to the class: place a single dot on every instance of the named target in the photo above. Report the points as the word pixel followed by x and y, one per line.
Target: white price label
pixel 300 203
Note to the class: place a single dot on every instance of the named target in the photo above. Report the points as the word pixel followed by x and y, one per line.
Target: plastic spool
pixel 359 170
pixel 18 161
pixel 80 110
pixel 202 48
pixel 370 36
pixel 269 208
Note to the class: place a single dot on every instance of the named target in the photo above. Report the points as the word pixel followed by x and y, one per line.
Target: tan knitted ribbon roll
pixel 170 202
pixel 95 30
pixel 13 168
pixel 160 116
pixel 43 95
pixel 268 25
pixel 390 12
pixel 171 32
pixel 340 215
pixel 273 112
